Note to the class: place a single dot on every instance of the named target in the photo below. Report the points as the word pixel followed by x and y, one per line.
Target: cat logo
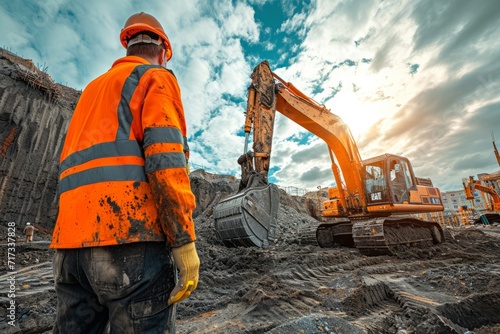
pixel 376 196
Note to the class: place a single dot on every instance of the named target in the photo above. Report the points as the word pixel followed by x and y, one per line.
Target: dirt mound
pixel 282 289
pixel 210 189
pixel 295 286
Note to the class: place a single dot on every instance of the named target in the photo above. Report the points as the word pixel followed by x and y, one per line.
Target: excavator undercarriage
pixel 381 236
pixel 249 219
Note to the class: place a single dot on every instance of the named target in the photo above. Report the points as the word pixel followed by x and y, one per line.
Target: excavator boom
pixel 367 192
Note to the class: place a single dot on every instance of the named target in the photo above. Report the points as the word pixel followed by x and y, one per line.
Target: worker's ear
pixel 163 58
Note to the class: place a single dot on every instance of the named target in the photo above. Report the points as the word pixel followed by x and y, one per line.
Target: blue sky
pixel 415 78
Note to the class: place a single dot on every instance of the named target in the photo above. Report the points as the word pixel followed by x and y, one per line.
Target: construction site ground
pixel 297 287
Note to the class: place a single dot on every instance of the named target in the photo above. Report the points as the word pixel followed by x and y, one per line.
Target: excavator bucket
pixel 248 218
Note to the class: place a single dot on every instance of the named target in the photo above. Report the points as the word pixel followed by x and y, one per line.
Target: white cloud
pixel 294 24
pixel 353 56
pixel 219 146
pixel 386 93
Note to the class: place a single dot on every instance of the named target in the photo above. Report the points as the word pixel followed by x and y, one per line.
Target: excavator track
pixel 382 236
pixel 335 234
pixel 248 218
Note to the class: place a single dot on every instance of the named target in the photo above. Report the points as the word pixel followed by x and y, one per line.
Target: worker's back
pixel 105 197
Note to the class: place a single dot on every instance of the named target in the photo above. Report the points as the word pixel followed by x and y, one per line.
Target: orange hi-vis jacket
pixel 123 174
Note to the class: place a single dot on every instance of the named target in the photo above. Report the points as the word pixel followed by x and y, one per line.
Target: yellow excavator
pixel 470 185
pixel 492 214
pixel 370 208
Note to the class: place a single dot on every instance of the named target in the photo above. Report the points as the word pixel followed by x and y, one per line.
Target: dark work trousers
pixel 126 285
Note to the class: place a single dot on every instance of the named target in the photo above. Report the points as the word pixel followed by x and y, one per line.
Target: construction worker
pixel 125 215
pixel 29 231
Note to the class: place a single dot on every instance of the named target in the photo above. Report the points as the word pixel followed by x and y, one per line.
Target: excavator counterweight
pixel 370 209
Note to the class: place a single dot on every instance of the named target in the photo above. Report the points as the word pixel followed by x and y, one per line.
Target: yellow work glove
pixel 187 261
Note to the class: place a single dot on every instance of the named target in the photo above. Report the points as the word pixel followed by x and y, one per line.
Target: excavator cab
pixel 376 183
pixel 389 185
pixel 391 192
pixel 388 179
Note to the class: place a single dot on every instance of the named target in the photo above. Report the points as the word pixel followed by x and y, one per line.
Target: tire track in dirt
pixel 295 288
pixel 265 289
pixel 29 280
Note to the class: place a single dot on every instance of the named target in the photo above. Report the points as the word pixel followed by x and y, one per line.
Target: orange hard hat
pixel 144 22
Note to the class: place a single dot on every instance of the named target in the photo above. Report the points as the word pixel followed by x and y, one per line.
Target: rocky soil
pixel 292 287
pixel 297 287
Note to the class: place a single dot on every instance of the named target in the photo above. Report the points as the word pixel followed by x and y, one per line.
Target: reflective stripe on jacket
pixel 123 171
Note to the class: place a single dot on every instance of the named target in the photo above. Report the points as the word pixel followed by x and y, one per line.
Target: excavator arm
pixel 249 217
pixel 470 185
pixel 268 93
pixel 260 115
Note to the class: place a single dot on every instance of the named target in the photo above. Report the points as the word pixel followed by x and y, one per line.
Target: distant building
pixel 492 180
pixel 452 200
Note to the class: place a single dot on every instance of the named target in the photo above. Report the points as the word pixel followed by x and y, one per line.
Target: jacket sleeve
pixel 164 142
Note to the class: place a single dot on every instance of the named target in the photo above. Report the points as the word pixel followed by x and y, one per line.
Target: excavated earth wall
pixel 34 116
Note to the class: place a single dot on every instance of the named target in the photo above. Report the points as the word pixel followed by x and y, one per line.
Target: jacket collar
pixel 131 59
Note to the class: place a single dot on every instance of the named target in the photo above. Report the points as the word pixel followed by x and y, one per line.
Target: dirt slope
pixel 34 116
pixel 297 287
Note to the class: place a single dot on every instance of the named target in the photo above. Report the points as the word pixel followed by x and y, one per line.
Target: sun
pixel 359 116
